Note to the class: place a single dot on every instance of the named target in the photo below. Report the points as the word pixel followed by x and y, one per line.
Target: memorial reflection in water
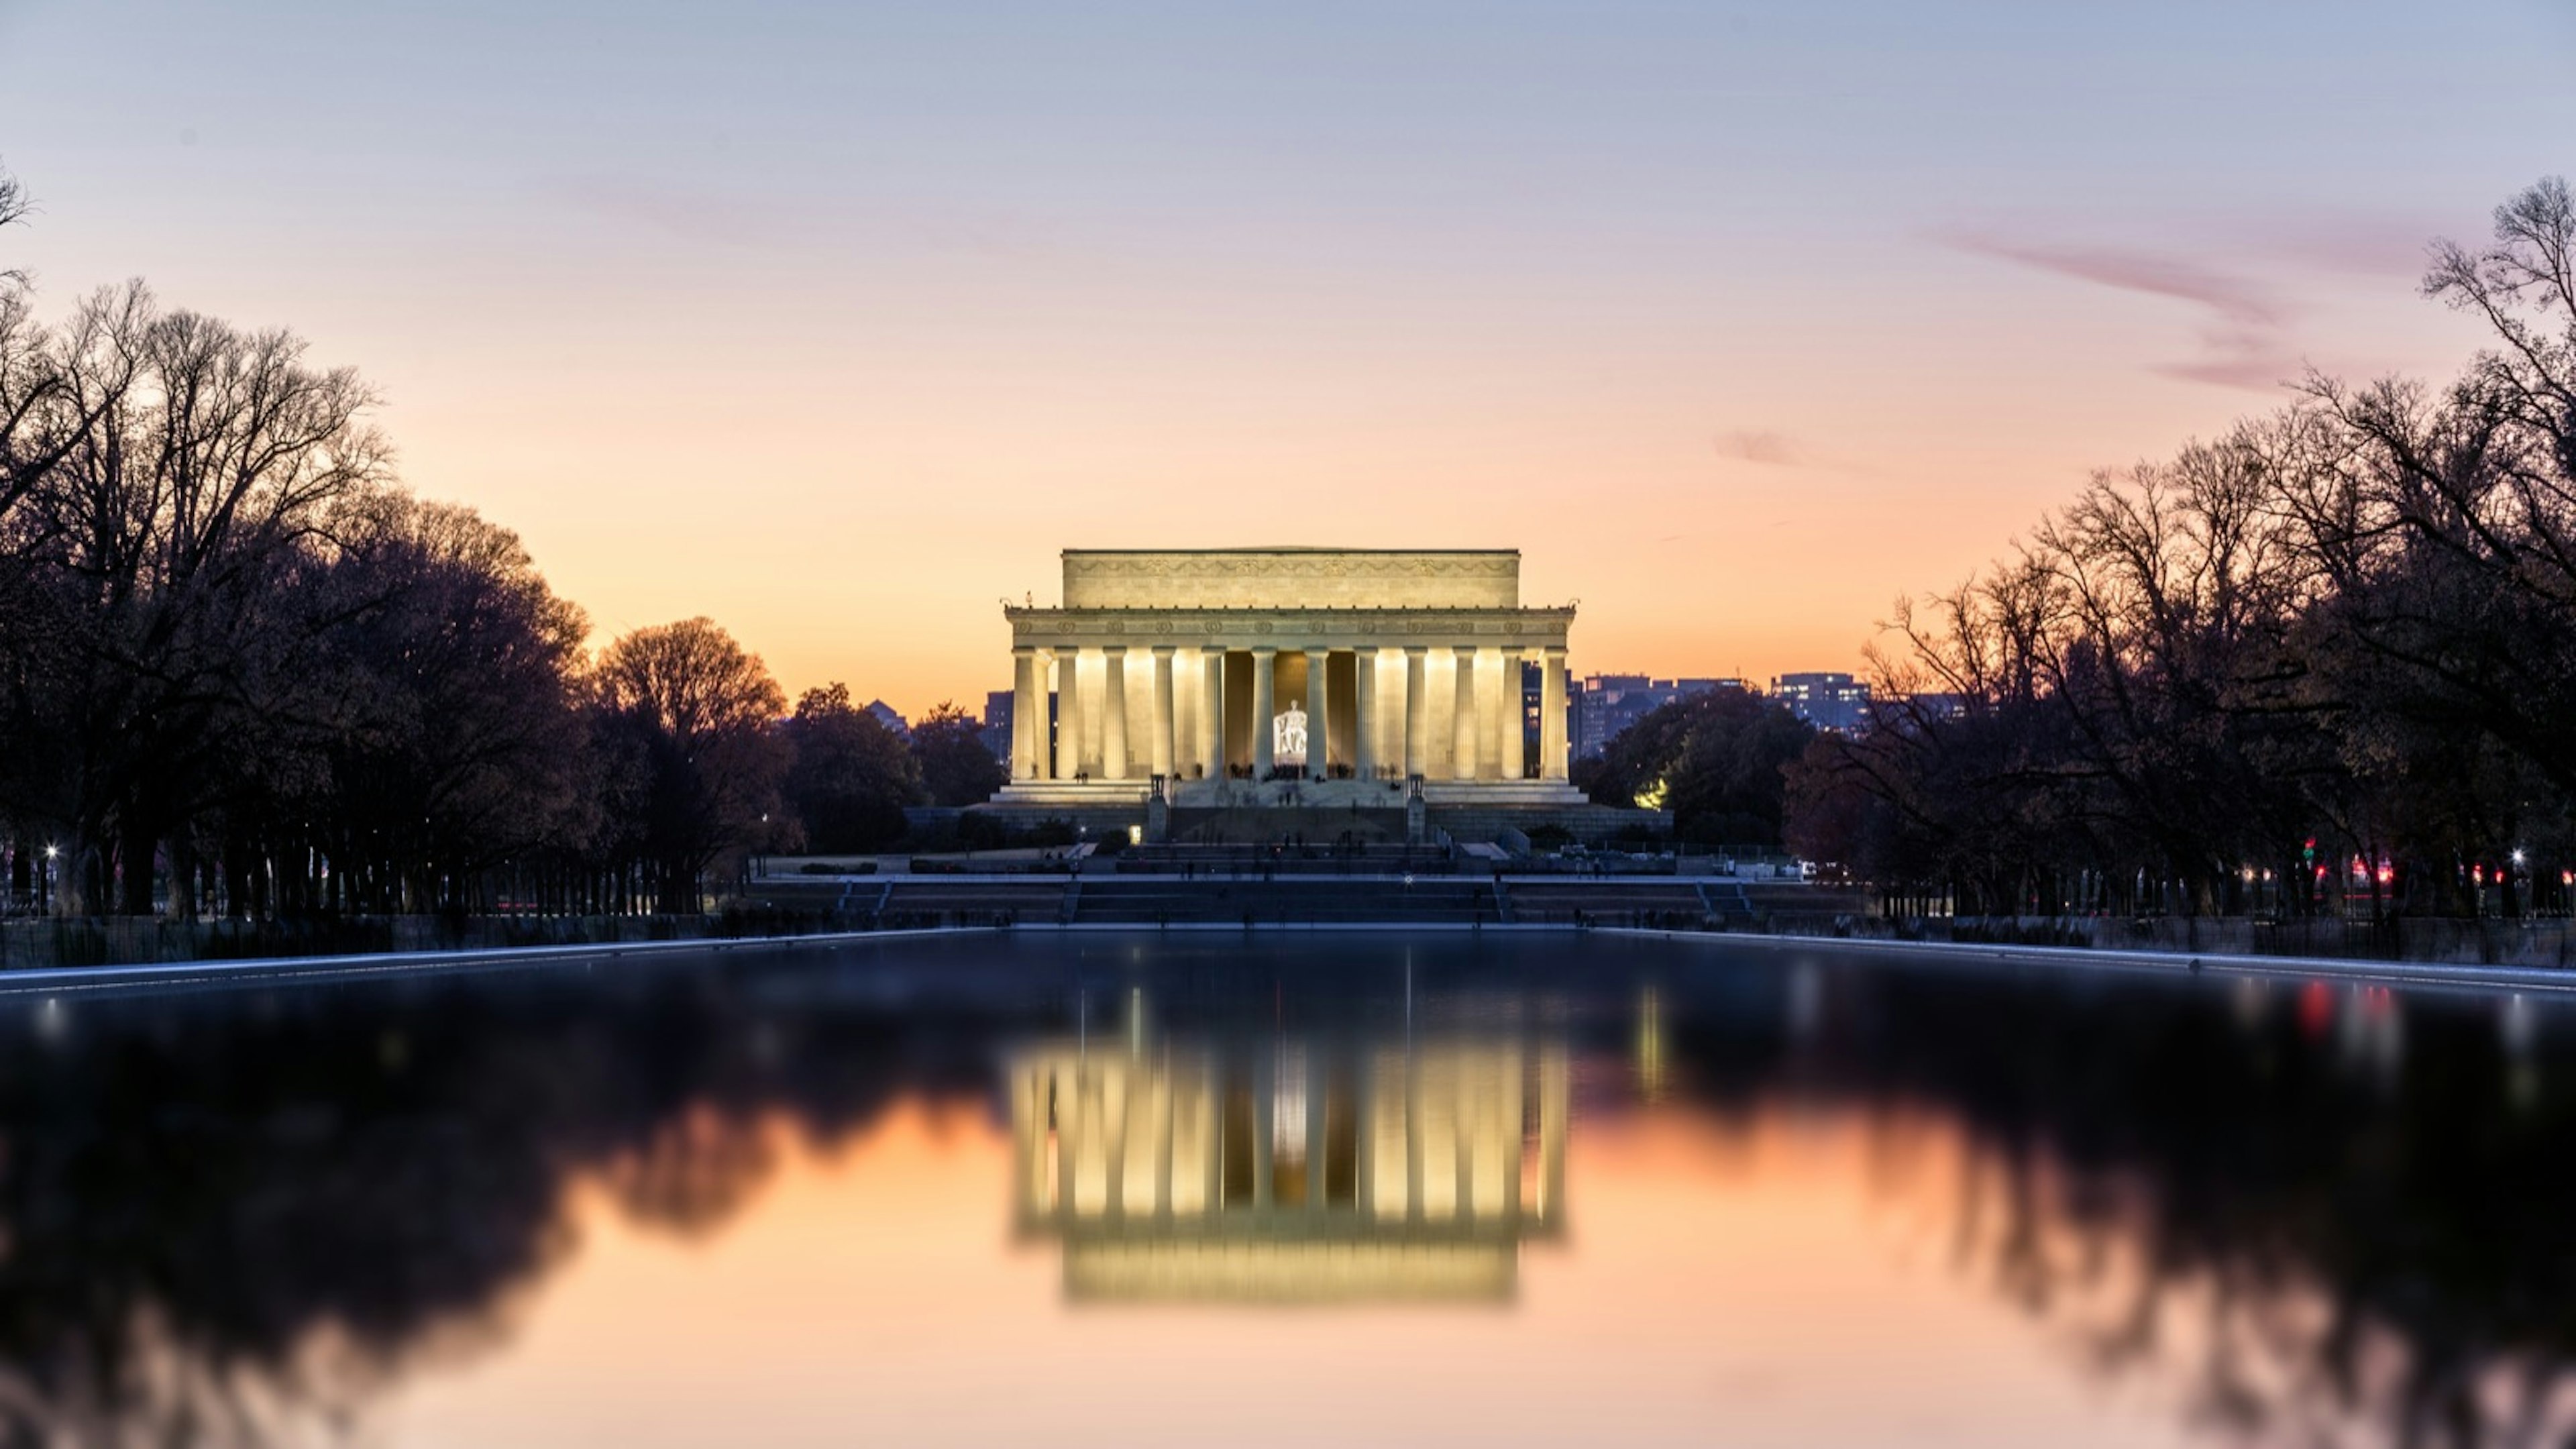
pixel 1310 1169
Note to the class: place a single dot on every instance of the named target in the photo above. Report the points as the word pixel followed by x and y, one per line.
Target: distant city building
pixel 996 733
pixel 1835 702
pixel 1925 705
pixel 1000 713
pixel 1604 704
pixel 885 714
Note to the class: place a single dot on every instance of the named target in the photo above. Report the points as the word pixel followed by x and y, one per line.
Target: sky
pixel 835 322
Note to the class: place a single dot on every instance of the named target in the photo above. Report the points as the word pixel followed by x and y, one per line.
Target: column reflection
pixel 1319 1167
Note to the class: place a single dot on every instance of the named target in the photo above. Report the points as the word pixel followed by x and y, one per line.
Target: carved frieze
pixel 1292 578
pixel 1523 629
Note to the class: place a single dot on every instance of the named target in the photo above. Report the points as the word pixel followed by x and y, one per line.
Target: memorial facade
pixel 1356 675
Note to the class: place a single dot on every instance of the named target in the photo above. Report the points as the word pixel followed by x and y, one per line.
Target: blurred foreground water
pixel 1353 1188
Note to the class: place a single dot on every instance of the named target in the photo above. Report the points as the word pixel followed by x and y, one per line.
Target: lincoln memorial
pixel 1362 677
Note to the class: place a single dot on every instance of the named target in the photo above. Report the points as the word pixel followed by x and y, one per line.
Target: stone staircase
pixel 1289 901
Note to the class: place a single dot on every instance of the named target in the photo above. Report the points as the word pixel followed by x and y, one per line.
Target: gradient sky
pixel 835 321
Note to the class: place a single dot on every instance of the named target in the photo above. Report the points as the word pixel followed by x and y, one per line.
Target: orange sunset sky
pixel 834 323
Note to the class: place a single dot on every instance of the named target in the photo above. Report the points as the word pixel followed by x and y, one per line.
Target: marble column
pixel 1364 712
pixel 1212 712
pixel 1508 705
pixel 1551 715
pixel 1489 714
pixel 1318 712
pixel 1113 723
pixel 1263 707
pixel 1462 717
pixel 1068 711
pixel 1417 708
pixel 1162 746
pixel 1028 713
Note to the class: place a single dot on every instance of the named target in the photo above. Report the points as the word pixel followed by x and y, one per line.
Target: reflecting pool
pixel 1280 1190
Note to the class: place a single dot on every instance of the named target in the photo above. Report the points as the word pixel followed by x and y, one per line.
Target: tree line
pixel 2326 661
pixel 243 670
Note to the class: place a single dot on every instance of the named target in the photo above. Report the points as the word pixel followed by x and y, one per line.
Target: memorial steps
pixel 1378 886
pixel 1288 901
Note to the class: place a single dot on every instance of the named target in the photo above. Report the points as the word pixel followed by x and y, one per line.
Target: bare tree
pixel 170 534
pixel 698 717
pixel 13 209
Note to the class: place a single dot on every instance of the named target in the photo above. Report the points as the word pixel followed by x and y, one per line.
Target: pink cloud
pixel 1771 449
pixel 2245 342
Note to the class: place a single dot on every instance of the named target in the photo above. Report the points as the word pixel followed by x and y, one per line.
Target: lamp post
pixel 51 852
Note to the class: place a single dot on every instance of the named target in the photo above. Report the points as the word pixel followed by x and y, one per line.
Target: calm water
pixel 1350 1190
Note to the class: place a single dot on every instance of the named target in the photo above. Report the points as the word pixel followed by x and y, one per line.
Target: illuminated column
pixel 1068 711
pixel 1551 714
pixel 1028 720
pixel 1462 719
pixel 1162 746
pixel 1508 705
pixel 1417 708
pixel 1262 710
pixel 1489 714
pixel 1318 712
pixel 1212 712
pixel 1364 712
pixel 1113 724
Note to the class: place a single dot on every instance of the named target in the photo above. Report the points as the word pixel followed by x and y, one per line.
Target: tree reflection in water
pixel 2340 1213
pixel 226 1216
pixel 232 1218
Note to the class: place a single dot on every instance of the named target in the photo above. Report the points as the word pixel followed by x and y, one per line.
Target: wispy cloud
pixel 709 217
pixel 2244 338
pixel 1771 449
pixel 2390 246
pixel 701 216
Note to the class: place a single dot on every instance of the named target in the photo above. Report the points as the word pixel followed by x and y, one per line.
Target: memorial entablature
pixel 1192 671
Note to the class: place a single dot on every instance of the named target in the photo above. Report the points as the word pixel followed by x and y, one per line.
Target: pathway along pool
pixel 1351 1190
